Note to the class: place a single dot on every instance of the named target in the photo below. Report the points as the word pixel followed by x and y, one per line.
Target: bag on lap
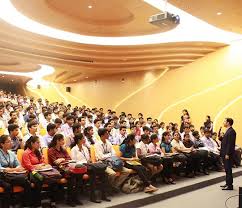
pixel 115 163
pixel 51 176
pixel 154 160
pixel 14 177
pixel 98 167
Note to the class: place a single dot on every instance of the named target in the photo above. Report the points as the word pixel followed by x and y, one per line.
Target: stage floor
pixel 209 197
pixel 187 192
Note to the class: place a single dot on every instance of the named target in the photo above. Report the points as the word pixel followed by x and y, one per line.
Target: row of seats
pixel 18 189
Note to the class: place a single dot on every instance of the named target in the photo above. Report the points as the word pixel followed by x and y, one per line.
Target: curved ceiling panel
pixel 224 14
pixel 95 18
pixel 75 62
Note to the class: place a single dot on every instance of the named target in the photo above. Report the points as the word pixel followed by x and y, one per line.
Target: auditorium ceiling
pixel 223 14
pixel 23 51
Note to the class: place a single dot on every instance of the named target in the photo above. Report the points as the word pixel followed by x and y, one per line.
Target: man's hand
pixel 226 157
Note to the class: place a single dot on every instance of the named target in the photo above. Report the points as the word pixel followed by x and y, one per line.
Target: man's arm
pixel 230 143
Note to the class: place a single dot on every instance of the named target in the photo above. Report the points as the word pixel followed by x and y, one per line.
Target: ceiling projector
pixel 165 20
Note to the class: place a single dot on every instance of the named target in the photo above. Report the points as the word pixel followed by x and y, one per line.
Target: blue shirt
pixel 127 152
pixel 168 147
pixel 8 160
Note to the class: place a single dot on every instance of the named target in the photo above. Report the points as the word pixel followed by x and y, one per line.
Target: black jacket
pixel 228 143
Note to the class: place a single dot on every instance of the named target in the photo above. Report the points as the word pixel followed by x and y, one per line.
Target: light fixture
pixel 219 13
pixel 74 80
pixel 3 76
pixel 12 80
pixel 90 6
pixel 86 77
pixel 202 31
pixel 35 75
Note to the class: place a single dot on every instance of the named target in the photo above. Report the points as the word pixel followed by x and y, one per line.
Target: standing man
pixel 227 152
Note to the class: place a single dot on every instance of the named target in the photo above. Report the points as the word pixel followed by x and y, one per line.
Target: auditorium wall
pixel 209 86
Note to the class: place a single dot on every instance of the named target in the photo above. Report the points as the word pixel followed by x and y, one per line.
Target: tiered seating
pixel 18 189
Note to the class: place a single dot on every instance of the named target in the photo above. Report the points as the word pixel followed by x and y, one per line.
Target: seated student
pixel 17 141
pixel 88 133
pixel 202 128
pixel 58 123
pixel 97 125
pixel 8 164
pixel 146 130
pixel 154 148
pixel 194 154
pixel 121 136
pixel 155 130
pixel 213 151
pixel 203 153
pixel 57 157
pixel 109 127
pixel 187 130
pixel 80 153
pixel 162 128
pixel 143 151
pixel 82 122
pixel 67 130
pixel 214 137
pixel 131 161
pixel 137 130
pixel 132 129
pixel 32 130
pixel 47 120
pixel 184 156
pixel 33 160
pixel 104 150
pixel 76 128
pixel 51 131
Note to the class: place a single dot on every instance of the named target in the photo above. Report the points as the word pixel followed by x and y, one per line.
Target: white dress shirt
pixel 104 150
pixel 143 147
pixel 68 134
pixel 45 140
pixel 118 139
pixel 82 156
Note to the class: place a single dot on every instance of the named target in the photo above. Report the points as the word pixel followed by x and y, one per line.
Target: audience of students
pixel 41 124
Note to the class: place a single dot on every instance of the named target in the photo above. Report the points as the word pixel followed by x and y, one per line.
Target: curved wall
pixel 208 86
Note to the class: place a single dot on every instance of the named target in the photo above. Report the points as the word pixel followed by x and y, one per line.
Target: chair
pixel 24 131
pixel 45 154
pixel 93 154
pixel 16 189
pixel 42 132
pixel 20 153
pixel 68 149
pixel 117 150
pixel 2 130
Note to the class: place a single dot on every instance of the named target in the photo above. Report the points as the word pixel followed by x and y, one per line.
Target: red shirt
pixel 54 154
pixel 30 160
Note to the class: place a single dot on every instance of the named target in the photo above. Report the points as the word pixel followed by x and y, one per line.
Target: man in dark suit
pixel 227 152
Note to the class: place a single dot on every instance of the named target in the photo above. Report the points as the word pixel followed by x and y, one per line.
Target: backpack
pixel 132 185
pixel 115 163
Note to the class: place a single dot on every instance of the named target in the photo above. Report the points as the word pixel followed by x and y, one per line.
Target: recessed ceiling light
pixel 74 80
pixel 86 77
pixel 89 7
pixel 219 13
